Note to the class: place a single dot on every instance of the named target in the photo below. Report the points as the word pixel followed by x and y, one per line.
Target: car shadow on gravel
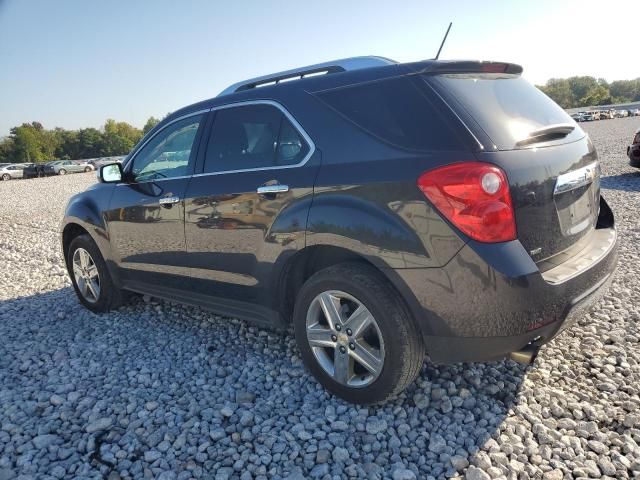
pixel 628 182
pixel 159 387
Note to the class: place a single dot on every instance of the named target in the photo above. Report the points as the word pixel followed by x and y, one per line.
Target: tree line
pixel 575 92
pixel 31 142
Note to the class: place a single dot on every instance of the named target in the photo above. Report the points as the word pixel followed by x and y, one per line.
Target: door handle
pixel 169 200
pixel 266 189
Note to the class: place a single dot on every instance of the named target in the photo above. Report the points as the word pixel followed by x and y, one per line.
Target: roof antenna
pixel 443 40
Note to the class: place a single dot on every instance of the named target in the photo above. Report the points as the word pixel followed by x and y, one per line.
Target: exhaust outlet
pixel 525 356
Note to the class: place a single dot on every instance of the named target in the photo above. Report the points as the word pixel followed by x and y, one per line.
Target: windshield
pixel 507 107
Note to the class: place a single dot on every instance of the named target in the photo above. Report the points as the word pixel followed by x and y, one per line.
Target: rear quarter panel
pixel 375 209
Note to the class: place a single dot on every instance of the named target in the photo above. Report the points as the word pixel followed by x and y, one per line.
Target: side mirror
pixel 111 173
pixel 288 150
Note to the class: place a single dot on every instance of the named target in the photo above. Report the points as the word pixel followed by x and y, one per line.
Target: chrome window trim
pixel 157 180
pixel 182 117
pixel 273 103
pixel 291 118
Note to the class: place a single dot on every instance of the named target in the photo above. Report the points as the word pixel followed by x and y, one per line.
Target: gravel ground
pixel 157 390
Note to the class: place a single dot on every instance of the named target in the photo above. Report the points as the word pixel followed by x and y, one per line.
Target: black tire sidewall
pixel 108 291
pixel 378 301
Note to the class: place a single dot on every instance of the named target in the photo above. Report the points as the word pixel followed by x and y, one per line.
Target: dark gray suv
pixel 387 211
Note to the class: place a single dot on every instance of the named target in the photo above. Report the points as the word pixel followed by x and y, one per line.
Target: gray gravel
pixel 157 390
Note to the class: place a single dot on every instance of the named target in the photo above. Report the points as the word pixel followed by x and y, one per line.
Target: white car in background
pixel 11 171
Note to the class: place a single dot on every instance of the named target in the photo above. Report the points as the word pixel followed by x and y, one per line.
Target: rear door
pixel 550 162
pixel 146 214
pixel 247 209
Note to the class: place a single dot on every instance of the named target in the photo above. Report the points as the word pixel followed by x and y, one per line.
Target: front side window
pixel 167 154
pixel 253 137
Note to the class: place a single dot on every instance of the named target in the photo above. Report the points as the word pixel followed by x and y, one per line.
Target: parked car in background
pixel 621 113
pixel 85 165
pixel 633 150
pixel 635 112
pixel 62 167
pixel 605 115
pixel 577 116
pixel 98 162
pixel 587 116
pixel 34 170
pixel 384 210
pixel 12 171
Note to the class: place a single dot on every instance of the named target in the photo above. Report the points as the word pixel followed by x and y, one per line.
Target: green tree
pixel 119 137
pixel 7 150
pixel 152 122
pixel 597 95
pixel 560 92
pixel 627 90
pixel 28 142
pixel 580 86
pixel 90 143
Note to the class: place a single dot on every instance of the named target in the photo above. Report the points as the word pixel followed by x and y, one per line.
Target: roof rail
pixel 343 65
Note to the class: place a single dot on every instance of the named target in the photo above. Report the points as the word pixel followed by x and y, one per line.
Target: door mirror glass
pixel 288 151
pixel 111 173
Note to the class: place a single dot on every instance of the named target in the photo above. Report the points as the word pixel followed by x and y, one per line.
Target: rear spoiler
pixel 468 66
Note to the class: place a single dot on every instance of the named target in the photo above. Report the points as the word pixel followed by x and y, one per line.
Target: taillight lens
pixel 474 197
pixel 636 139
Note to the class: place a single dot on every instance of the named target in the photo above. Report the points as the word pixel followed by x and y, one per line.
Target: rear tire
pixel 87 169
pixel 109 297
pixel 391 342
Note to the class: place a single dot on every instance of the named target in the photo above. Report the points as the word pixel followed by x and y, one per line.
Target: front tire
pixel 6 177
pixel 90 277
pixel 356 335
pixel 62 171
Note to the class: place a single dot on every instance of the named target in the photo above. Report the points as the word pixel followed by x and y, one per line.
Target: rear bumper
pixel 490 300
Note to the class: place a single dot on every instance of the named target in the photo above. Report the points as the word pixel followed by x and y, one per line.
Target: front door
pixel 248 207
pixel 146 213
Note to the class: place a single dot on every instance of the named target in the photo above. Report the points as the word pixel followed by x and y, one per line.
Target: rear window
pixel 506 107
pixel 395 111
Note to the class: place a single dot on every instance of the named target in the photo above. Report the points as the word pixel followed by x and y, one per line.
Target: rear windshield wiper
pixel 557 130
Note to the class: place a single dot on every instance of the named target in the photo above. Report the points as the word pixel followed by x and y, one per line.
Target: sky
pixel 75 63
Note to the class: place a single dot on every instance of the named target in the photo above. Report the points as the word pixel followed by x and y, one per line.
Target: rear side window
pixel 253 137
pixel 395 111
pixel 506 107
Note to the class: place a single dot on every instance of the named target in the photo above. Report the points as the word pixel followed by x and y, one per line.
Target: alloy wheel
pixel 345 338
pixel 6 177
pixel 85 273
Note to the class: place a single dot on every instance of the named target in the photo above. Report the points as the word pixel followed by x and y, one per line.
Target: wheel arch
pixel 307 261
pixel 70 231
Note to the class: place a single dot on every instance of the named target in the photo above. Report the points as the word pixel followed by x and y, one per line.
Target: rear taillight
pixel 474 197
pixel 636 139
